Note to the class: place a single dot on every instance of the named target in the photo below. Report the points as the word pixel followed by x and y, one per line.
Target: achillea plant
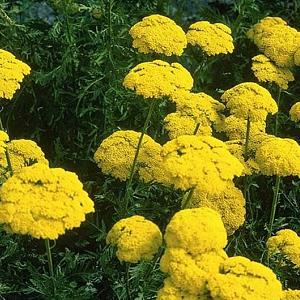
pixel 157 79
pixel 158 34
pixel 12 72
pixel 287 243
pixel 43 202
pixel 136 239
pixel 213 39
pixel 295 112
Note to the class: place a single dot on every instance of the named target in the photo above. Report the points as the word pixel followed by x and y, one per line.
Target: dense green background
pixel 79 54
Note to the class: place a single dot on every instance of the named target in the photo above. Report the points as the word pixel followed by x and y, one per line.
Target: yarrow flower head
pixel 177 124
pixel 116 153
pixel 4 138
pixel 242 279
pixel 12 72
pixel 203 108
pixel 209 156
pixel 136 239
pixel 43 202
pixel 237 149
pixel 295 112
pixel 158 34
pixel 279 156
pixel 171 292
pixel 197 231
pixel 22 153
pixel 230 204
pixel 213 39
pixel 291 295
pixel 286 242
pixel 249 99
pixel 157 79
pixel 236 128
pixel 276 40
pixel 266 71
pixel 188 272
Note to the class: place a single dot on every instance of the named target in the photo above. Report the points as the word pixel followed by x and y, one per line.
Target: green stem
pixel 135 160
pixel 127 282
pixel 246 153
pixel 196 129
pixel 50 264
pixel 49 256
pixel 186 201
pixel 274 204
pixel 5 17
pixel 9 166
pixel 276 117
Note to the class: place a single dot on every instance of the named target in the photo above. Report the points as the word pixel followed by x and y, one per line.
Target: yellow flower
pixel 170 292
pixel 158 34
pixel 286 242
pixel 236 128
pixel 297 57
pixel 256 141
pixel 191 273
pixel 230 204
pixel 266 71
pixel 291 295
pixel 4 138
pixel 295 112
pixel 242 279
pixel 22 153
pixel 249 98
pixel 43 202
pixel 196 231
pixel 158 78
pixel 12 72
pixel 256 31
pixel 237 149
pixel 136 239
pixel 116 153
pixel 177 124
pixel 209 156
pixel 204 109
pixel 278 156
pixel 213 39
pixel 276 40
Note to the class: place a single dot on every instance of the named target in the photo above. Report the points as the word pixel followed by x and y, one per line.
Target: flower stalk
pixel 276 117
pixel 274 204
pixel 135 160
pixel 50 264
